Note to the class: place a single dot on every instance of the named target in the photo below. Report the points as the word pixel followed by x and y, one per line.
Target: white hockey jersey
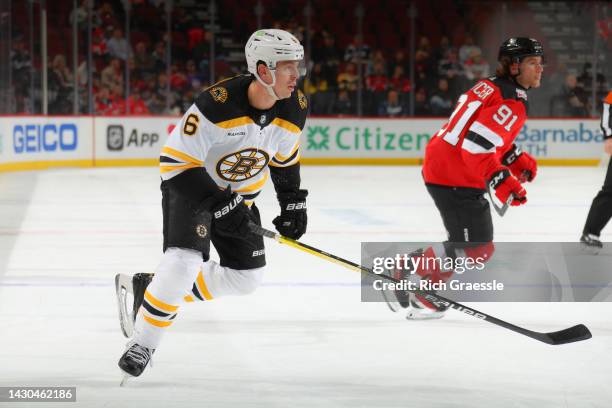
pixel 233 141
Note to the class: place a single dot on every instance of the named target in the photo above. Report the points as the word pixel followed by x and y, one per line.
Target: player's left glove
pixel 292 220
pixel 522 165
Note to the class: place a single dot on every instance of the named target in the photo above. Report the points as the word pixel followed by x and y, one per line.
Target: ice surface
pixel 303 339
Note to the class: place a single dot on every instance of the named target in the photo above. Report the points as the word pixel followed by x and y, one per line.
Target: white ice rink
pixel 303 339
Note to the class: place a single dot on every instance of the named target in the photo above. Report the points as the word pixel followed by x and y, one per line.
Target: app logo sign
pixel 114 137
pixel 48 137
pixel 117 140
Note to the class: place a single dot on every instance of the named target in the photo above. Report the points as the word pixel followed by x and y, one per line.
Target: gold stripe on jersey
pixel 159 304
pixel 180 155
pixel 202 286
pixel 232 123
pixel 281 158
pixel 155 322
pixel 188 298
pixel 255 186
pixel 285 124
pixel 297 158
pixel 165 168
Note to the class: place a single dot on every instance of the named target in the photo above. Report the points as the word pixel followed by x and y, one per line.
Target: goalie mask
pixel 270 46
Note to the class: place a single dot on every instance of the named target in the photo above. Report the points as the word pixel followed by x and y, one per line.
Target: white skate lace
pixel 140 354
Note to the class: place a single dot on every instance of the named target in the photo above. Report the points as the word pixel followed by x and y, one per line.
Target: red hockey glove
pixel 506 186
pixel 522 165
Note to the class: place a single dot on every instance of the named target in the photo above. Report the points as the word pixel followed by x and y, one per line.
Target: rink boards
pixel 35 142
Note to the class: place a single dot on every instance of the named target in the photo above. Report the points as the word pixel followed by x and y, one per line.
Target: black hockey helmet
pixel 517 48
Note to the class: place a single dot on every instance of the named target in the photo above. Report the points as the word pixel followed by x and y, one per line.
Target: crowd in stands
pixel 336 76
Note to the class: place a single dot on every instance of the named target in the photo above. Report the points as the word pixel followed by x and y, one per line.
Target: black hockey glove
pixel 230 215
pixel 292 220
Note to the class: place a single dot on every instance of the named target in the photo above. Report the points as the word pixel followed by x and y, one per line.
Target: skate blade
pixel 125 379
pixel 123 287
pixel 393 305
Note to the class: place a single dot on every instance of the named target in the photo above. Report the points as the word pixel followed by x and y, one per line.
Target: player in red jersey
pixel 474 150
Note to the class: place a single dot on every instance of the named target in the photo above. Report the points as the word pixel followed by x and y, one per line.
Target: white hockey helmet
pixel 271 46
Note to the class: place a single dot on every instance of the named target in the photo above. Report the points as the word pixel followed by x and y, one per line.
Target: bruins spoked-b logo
pixel 219 94
pixel 242 165
pixel 201 230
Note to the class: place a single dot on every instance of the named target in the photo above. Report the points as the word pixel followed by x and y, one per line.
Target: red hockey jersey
pixel 483 126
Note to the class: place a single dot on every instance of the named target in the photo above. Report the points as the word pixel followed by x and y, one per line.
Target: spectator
pixel 105 15
pixel 399 59
pixel 343 104
pixel 391 106
pixel 441 101
pixel 117 106
pixel 317 88
pixel 378 58
pixel 399 81
pixel 571 101
pixel 159 56
pixel 476 67
pixel 143 60
pixel 357 51
pixel 421 106
pixel 135 104
pixel 467 49
pixel 378 80
pixel 178 79
pixel 60 85
pixel 103 101
pixel 118 47
pixel 98 43
pixel 329 56
pixel 112 75
pixel 348 79
pixel 195 79
pixel 80 14
pixel 20 70
pixel 443 49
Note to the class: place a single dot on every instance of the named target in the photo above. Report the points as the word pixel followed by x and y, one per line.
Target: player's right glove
pixel 506 186
pixel 522 165
pixel 230 215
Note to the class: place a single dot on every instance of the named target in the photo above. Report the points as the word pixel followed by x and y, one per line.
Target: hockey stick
pixel 569 335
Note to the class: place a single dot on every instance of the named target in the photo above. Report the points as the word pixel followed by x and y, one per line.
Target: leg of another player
pixel 599 214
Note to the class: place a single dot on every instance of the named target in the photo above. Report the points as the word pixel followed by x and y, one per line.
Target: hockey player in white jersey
pixel 237 134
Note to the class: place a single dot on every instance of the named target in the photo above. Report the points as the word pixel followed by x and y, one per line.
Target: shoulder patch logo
pixel 521 94
pixel 219 94
pixel 302 99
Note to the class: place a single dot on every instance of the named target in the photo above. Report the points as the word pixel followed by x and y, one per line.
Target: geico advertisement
pixel 376 138
pixel 40 138
pixel 371 138
pixel 562 138
pixel 131 137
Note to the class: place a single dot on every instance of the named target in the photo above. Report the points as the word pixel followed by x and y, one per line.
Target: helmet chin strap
pixel 269 87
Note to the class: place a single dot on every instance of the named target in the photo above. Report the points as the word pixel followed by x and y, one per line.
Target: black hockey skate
pixel 134 360
pixel 134 286
pixel 591 243
pixel 417 308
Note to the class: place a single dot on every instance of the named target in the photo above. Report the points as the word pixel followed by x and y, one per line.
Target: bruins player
pixel 473 150
pixel 236 135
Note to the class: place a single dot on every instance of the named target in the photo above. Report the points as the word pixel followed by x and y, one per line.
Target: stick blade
pixel 570 335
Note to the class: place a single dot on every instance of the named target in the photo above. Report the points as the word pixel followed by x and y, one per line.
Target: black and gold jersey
pixel 233 141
